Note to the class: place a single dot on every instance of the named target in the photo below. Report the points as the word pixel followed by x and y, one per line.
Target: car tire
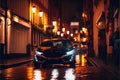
pixel 72 64
pixel 36 65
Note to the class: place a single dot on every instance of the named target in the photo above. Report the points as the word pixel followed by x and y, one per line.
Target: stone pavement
pixel 115 70
pixel 110 67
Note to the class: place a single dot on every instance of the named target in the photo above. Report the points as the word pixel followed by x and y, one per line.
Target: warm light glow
pixel 8 21
pixel 29 73
pixel 71 34
pixel 40 13
pixel 101 25
pixel 62 34
pixel 69 74
pixel 15 18
pixel 33 9
pixel 63 29
pixel 8 14
pixel 9 72
pixel 74 24
pixel 77 59
pixel 54 74
pixel 37 75
pixel 83 29
pixel 84 15
pixel 84 39
pixel 83 60
pixel 55 26
pixel 54 23
pixel 76 31
pixel 75 39
pixel 68 32
pixel 2 18
pixel 58 33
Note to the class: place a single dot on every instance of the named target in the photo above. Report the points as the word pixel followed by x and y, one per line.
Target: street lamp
pixel 71 34
pixel 63 29
pixel 33 11
pixel 40 14
pixel 58 33
pixel 62 34
pixel 68 32
pixel 32 32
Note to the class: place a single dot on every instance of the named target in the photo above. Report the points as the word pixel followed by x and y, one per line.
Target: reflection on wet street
pixel 55 74
pixel 60 72
pixel 80 59
pixel 82 71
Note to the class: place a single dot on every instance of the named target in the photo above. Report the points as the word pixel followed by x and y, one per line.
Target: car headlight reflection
pixel 70 52
pixel 39 53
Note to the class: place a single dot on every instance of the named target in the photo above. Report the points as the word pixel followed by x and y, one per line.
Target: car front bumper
pixel 65 59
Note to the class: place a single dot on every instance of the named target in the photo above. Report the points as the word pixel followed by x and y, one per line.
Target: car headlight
pixel 70 52
pixel 37 52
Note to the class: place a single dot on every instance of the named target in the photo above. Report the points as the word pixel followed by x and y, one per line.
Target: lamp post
pixel 32 32
pixel 40 23
pixel 33 11
pixel 40 14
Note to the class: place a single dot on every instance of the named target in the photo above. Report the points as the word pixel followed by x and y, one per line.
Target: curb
pixel 4 66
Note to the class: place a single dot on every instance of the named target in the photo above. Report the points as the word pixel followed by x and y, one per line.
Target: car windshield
pixel 47 44
pixel 57 43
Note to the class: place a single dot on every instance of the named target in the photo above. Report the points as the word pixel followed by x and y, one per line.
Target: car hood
pixel 53 51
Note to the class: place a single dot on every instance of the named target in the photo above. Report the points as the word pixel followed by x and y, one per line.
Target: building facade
pixel 105 20
pixel 18 33
pixel 2 27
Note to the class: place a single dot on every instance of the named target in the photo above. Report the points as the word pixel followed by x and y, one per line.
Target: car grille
pixel 55 53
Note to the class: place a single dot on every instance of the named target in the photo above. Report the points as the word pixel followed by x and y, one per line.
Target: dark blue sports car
pixel 54 51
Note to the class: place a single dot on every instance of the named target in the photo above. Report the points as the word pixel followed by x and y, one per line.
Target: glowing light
pixel 54 74
pixel 63 29
pixel 84 39
pixel 74 24
pixel 15 18
pixel 71 34
pixel 83 60
pixel 37 75
pixel 29 73
pixel 58 33
pixel 33 9
pixel 8 21
pixel 69 74
pixel 62 34
pixel 75 39
pixel 84 29
pixel 84 15
pixel 55 26
pixel 68 32
pixel 40 13
pixel 77 59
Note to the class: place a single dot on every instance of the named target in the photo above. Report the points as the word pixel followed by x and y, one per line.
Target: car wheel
pixel 36 65
pixel 72 64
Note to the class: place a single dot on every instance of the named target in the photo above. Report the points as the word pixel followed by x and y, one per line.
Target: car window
pixel 67 44
pixel 47 44
pixel 57 44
